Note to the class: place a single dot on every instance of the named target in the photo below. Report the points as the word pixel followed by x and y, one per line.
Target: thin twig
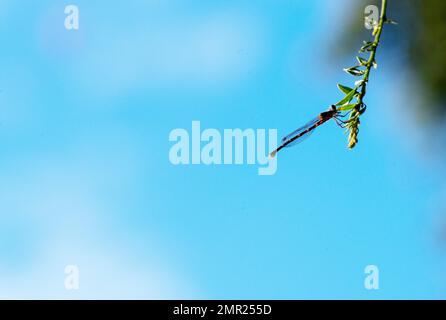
pixel 359 108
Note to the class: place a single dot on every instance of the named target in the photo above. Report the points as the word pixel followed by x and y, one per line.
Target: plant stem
pixel 354 123
pixel 371 60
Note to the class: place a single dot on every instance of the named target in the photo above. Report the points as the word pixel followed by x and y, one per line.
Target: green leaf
pixel 366 47
pixel 354 71
pixel 348 97
pixel 362 61
pixel 344 89
pixel 347 107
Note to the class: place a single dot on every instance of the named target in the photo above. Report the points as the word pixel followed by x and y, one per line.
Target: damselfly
pixel 300 134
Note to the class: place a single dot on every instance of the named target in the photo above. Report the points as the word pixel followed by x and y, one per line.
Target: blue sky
pixel 85 176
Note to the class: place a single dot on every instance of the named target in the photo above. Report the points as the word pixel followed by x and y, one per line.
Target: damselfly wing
pixel 299 135
pixel 304 132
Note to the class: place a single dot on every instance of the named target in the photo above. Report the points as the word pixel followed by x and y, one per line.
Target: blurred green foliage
pixel 419 38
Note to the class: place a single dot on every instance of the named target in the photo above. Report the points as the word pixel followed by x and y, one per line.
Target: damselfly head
pixel 332 108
